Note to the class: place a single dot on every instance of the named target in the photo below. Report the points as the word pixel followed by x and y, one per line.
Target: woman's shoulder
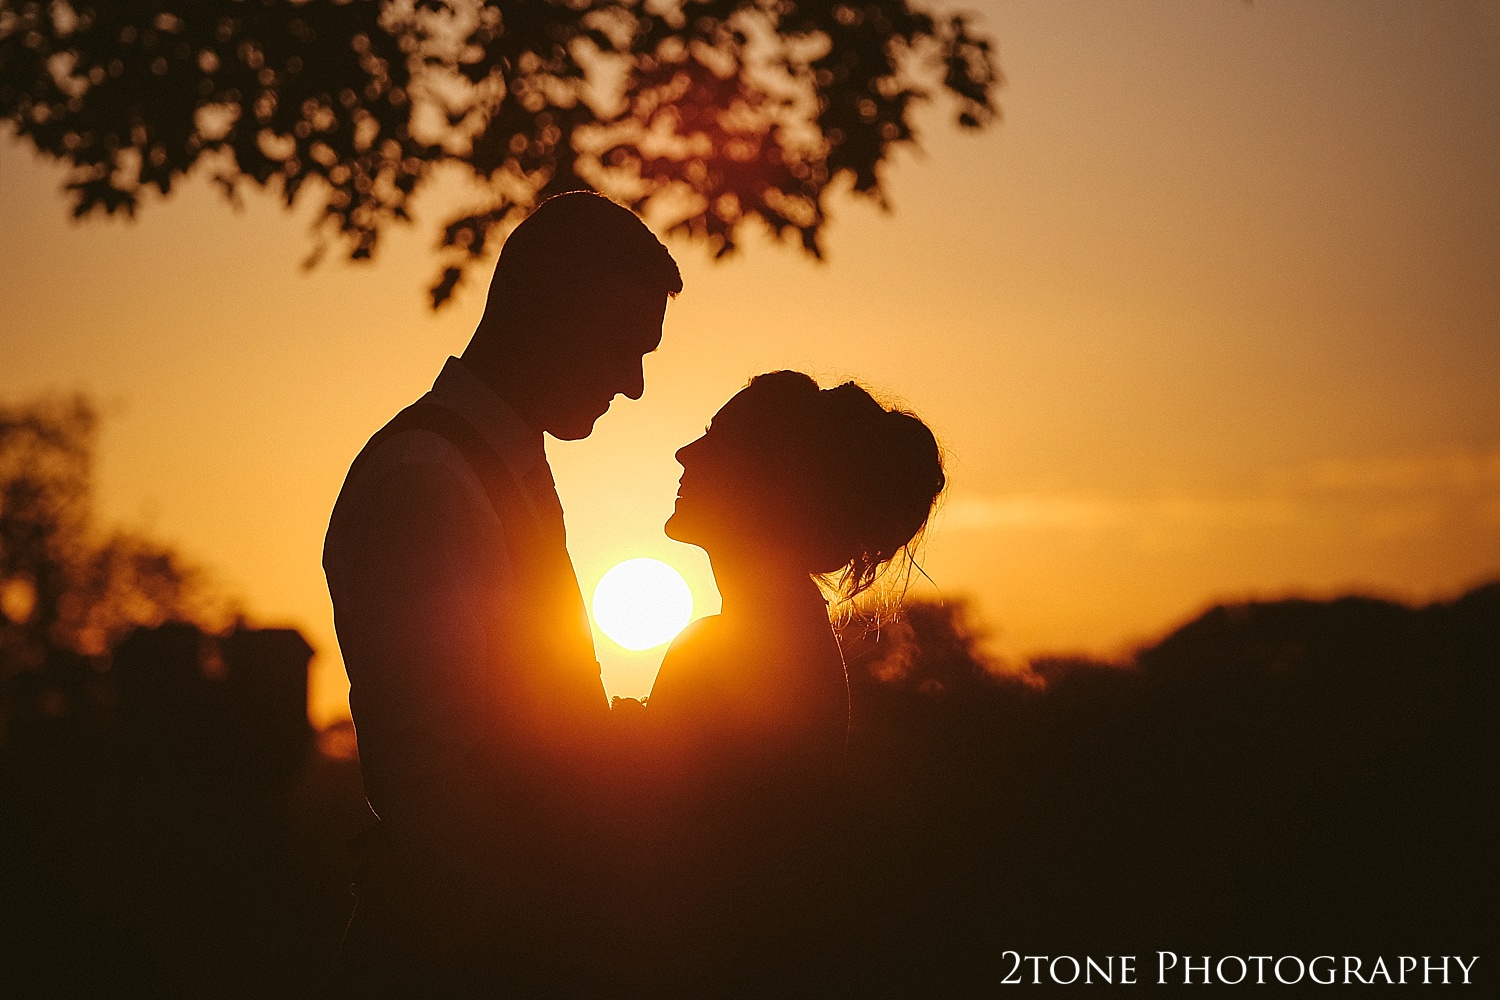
pixel 693 647
pixel 696 632
pixel 703 639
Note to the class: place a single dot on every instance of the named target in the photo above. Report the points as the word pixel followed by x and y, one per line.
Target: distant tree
pixel 706 113
pixel 69 593
pixel 934 648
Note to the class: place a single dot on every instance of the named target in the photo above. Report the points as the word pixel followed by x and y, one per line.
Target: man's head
pixel 576 303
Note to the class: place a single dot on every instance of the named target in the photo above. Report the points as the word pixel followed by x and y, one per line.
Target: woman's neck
pixel 753 585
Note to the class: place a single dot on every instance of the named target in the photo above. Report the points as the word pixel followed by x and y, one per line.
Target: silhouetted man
pixel 473 681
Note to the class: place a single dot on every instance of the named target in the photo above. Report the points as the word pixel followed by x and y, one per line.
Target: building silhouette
pixel 230 707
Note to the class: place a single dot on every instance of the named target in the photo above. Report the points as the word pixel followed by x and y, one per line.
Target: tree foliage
pixel 67 591
pixel 705 115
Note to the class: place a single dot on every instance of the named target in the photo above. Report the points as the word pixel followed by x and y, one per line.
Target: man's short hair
pixel 570 239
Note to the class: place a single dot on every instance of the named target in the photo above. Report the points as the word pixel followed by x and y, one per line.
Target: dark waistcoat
pixel 536 775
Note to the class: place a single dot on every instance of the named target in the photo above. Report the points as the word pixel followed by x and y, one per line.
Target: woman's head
pixel 829 478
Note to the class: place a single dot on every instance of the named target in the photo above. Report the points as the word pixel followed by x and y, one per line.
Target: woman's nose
pixel 683 453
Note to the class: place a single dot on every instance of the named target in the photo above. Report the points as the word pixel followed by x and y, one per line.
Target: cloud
pixel 1027 512
pixel 1374 499
pixel 1455 470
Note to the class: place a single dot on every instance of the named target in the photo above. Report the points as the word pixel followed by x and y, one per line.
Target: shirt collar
pixel 458 389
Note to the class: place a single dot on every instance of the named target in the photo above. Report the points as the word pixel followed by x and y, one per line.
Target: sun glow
pixel 642 603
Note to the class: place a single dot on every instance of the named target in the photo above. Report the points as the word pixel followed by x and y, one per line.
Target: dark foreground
pixel 1291 778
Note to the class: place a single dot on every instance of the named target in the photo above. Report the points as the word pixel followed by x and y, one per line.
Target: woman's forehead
pixel 769 408
pixel 743 407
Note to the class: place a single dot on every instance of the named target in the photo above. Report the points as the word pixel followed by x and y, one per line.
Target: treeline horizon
pixel 1272 774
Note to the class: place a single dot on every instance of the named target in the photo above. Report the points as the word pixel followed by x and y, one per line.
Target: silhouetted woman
pixel 748 719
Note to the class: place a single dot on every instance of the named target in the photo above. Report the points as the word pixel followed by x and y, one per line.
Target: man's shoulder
pixel 396 452
pixel 408 469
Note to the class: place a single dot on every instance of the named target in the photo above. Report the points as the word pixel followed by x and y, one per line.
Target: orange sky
pixel 1212 313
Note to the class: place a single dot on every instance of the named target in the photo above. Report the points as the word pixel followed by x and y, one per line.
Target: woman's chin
pixel 682 529
pixel 674 529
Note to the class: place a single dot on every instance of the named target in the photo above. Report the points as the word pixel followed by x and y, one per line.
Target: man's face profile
pixel 595 345
pixel 576 303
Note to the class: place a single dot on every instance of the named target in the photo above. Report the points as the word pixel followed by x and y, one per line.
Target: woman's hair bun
pixel 864 477
pixel 890 475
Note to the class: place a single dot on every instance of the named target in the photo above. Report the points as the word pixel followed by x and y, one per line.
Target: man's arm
pixel 421 567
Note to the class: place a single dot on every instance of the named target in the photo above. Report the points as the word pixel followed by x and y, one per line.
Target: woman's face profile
pixel 723 492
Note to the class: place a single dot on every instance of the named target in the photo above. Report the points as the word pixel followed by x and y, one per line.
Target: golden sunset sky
pixel 1213 313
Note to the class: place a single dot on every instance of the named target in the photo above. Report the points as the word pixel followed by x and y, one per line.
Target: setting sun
pixel 642 603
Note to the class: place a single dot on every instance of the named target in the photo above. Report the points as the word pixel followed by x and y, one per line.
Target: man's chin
pixel 571 433
pixel 576 429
